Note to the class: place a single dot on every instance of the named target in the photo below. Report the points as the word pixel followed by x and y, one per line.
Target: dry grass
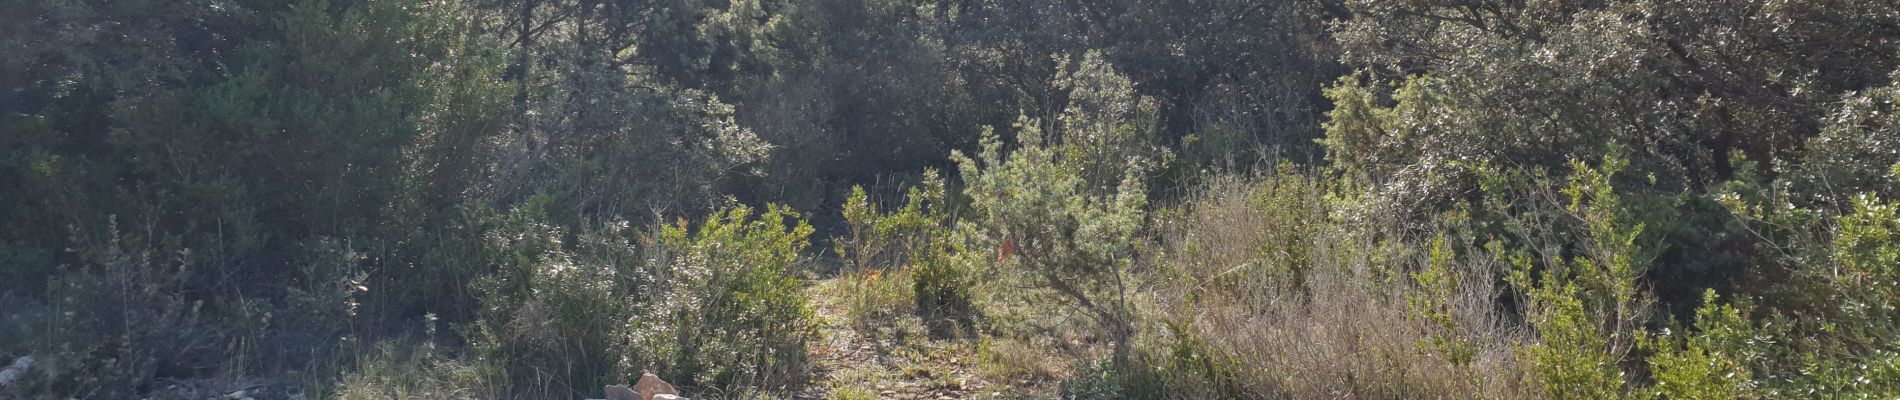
pixel 1305 308
pixel 872 297
pixel 401 370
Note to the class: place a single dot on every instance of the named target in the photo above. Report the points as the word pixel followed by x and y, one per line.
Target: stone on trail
pixel 650 386
pixel 621 392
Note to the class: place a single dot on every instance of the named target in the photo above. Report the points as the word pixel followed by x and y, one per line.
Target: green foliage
pixel 1588 311
pixel 727 310
pixel 1055 228
pixel 915 242
pixel 874 298
pixel 114 324
pixel 1439 284
pixel 886 240
pixel 553 318
pixel 1866 269
pixel 1571 358
pixel 942 282
pixel 1854 152
pixel 1286 253
pixel 1102 379
pixel 201 190
pixel 1827 330
pixel 1712 363
pixel 716 307
pixel 1240 65
pixel 1185 366
pixel 122 318
pixel 411 371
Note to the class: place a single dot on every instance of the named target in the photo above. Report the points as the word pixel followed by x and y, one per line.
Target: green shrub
pixel 1848 335
pixel 1713 363
pixel 873 298
pixel 941 280
pixel 726 310
pixel 1102 379
pixel 1824 326
pixel 918 240
pixel 403 370
pixel 1434 304
pixel 714 308
pixel 123 318
pixel 1056 228
pixel 1588 310
pixel 115 323
pixel 1193 367
pixel 552 319
pixel 883 240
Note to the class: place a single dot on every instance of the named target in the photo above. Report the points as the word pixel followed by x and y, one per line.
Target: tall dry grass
pixel 1298 304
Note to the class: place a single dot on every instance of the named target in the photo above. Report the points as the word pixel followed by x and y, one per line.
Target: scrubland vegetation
pixel 850 199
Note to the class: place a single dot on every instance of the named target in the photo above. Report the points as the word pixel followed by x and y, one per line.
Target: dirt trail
pixel 891 360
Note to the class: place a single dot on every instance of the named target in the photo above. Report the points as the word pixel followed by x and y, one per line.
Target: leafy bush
pixel 875 297
pixel 402 370
pixel 123 318
pixel 1102 379
pixel 116 323
pixel 918 243
pixel 1827 327
pixel 942 280
pixel 717 307
pixel 883 240
pixel 554 317
pixel 1059 229
pixel 726 310
pixel 1588 310
pixel 1714 363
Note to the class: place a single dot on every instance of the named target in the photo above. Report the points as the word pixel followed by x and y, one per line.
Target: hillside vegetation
pixel 853 199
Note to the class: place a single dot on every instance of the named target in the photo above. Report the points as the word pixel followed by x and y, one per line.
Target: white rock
pixel 621 392
pixel 12 372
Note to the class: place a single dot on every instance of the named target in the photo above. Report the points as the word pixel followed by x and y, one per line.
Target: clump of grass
pixel 1006 359
pixel 875 297
pixel 408 370
pixel 1263 285
pixel 912 244
pixel 853 393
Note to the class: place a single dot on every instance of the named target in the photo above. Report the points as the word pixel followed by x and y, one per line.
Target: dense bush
pixel 535 198
pixel 555 317
pixel 728 310
pixel 1058 229
pixel 717 307
pixel 122 318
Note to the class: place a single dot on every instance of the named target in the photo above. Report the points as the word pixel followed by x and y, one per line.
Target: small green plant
pixel 1713 363
pixel 1102 379
pixel 874 297
pixel 114 322
pixel 884 240
pixel 1438 286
